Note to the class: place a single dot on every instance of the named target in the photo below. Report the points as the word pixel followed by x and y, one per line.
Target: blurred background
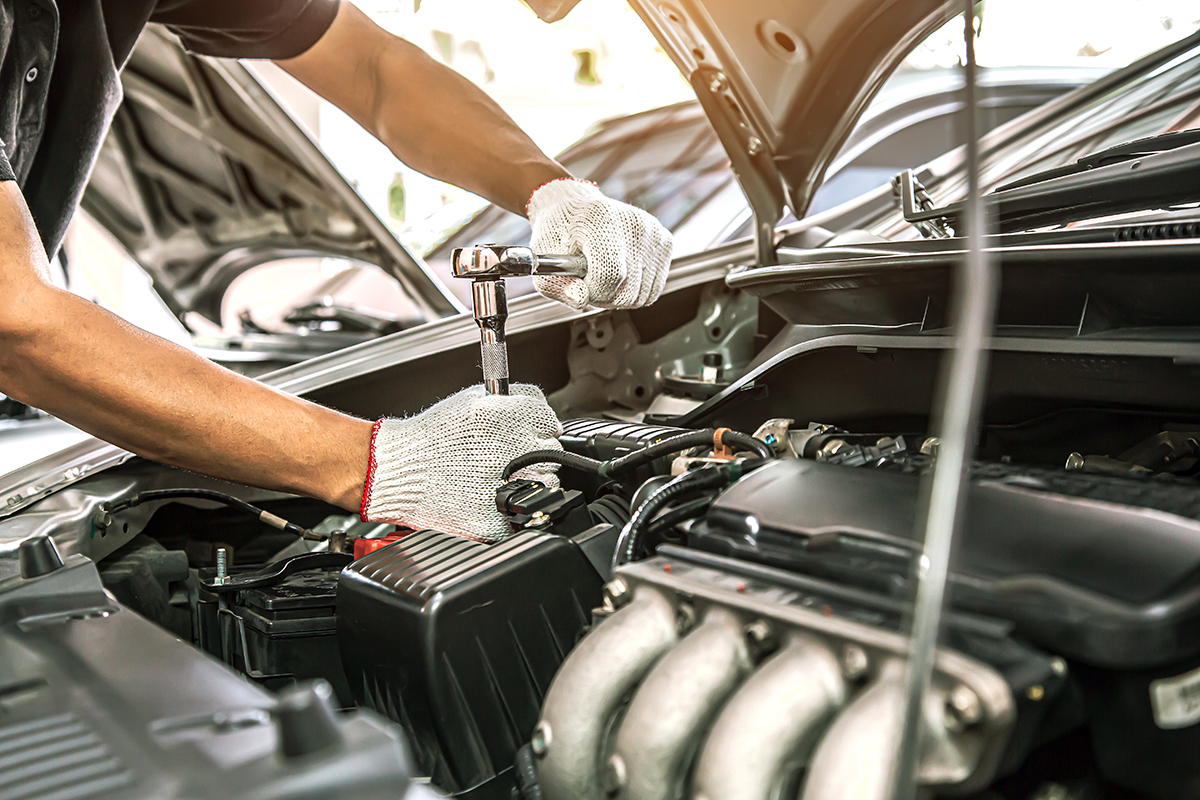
pixel 577 82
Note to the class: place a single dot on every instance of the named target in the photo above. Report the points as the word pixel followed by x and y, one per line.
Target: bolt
pixel 222 565
pixel 1035 692
pixel 963 708
pixel 1074 462
pixel 617 593
pixel 614 774
pixel 540 743
pixel 540 519
pixel 761 637
pixel 855 663
pixel 717 84
pixel 685 617
pixel 754 146
pixel 1058 666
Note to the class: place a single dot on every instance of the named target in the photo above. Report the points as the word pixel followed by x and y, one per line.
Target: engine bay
pixel 714 603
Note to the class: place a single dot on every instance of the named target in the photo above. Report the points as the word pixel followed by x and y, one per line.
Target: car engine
pixel 714 604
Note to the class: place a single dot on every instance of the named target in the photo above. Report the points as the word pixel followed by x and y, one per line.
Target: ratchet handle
pixel 491 261
pixel 560 265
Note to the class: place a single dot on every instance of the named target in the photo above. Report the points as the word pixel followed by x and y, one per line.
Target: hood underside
pixel 783 81
pixel 203 175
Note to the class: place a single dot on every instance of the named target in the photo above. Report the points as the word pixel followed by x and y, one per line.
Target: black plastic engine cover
pixel 1111 584
pixel 458 641
pixel 98 702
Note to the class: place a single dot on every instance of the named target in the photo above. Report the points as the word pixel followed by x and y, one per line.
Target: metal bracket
pixel 917 207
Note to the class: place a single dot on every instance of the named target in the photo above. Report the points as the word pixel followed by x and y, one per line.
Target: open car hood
pixel 783 81
pixel 203 175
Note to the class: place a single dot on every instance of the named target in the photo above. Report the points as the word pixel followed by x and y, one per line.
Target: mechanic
pixel 59 89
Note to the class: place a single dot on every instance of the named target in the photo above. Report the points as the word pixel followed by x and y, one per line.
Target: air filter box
pixel 458 641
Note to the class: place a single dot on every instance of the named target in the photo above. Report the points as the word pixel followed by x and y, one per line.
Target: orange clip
pixel 720 449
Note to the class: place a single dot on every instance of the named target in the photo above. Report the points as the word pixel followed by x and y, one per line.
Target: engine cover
pixel 1110 583
pixel 98 702
pixel 1103 571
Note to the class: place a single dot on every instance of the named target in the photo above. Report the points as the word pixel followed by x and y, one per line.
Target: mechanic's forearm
pixel 432 118
pixel 92 369
pixel 97 372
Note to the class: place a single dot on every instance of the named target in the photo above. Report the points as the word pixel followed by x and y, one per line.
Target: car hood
pixel 784 81
pixel 204 175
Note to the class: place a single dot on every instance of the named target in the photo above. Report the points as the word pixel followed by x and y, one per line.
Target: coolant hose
pixel 629 461
pixel 686 485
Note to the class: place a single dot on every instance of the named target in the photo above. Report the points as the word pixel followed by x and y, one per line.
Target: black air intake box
pixel 458 641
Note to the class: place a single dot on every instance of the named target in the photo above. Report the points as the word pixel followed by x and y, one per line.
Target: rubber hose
pixel 611 510
pixel 683 441
pixel 700 480
pixel 561 457
pixel 743 441
pixel 526 774
pixel 671 518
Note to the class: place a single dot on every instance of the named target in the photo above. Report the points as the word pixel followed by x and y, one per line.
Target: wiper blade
pixel 1127 151
pixel 1159 172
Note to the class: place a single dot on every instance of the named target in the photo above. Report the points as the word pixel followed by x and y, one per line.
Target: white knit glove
pixel 628 251
pixel 441 468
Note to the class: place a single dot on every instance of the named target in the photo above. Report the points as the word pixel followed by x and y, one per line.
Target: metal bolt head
pixel 540 743
pixel 754 146
pixel 831 449
pixel 539 519
pixel 1036 692
pixel 614 774
pixel 855 663
pixel 617 593
pixel 963 708
pixel 1058 666
pixel 760 636
pixel 1074 462
pixel 717 84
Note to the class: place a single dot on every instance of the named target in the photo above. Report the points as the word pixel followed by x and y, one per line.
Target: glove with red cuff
pixel 440 469
pixel 628 251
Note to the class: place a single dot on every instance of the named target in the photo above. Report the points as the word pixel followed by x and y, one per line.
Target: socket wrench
pixel 487 265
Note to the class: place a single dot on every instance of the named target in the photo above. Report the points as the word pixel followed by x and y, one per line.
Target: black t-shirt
pixel 59 85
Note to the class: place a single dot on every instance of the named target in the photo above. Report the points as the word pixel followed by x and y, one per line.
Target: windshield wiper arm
pixel 1127 151
pixel 1157 172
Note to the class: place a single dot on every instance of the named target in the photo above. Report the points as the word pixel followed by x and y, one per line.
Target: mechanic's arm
pixel 73 359
pixel 441 124
pixel 432 118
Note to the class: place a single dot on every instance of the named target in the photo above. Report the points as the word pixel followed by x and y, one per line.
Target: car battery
pixel 280 634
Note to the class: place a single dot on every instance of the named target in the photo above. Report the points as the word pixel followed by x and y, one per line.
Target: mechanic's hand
pixel 441 468
pixel 627 250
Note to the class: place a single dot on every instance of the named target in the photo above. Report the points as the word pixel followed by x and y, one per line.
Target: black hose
pixel 562 457
pixel 671 518
pixel 629 461
pixel 263 515
pixel 611 510
pixel 526 774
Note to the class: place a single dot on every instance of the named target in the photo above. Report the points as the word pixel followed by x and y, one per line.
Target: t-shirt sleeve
pixel 247 28
pixel 6 170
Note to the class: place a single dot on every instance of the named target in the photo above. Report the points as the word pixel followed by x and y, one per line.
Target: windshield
pixel 1158 96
